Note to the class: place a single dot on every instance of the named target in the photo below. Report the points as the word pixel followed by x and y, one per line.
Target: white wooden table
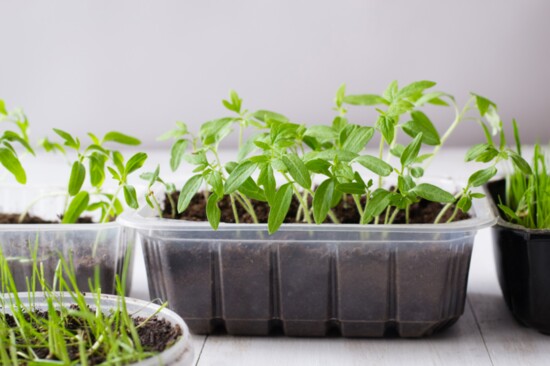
pixel 485 335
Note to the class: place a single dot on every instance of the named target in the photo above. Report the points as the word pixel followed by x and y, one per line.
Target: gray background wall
pixel 139 66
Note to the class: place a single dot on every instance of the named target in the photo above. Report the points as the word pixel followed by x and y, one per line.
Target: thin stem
pixel 393 216
pixel 407 214
pixel 380 155
pixel 234 208
pixel 172 204
pixel 303 203
pixel 357 200
pixel 156 204
pixel 446 208
pixel 453 215
pixel 111 205
pixel 333 217
pixel 247 205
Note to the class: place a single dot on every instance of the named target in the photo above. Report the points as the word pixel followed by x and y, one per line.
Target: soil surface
pixel 13 218
pixel 155 335
pixel 423 212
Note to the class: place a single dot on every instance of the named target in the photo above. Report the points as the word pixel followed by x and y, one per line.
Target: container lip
pixel 169 356
pixel 146 220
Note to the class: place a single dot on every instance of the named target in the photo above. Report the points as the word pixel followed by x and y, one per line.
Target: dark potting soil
pixel 13 218
pixel 155 335
pixel 423 212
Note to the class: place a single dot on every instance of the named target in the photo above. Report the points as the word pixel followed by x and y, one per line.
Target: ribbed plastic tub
pixel 180 353
pixel 522 259
pixel 310 280
pixel 93 248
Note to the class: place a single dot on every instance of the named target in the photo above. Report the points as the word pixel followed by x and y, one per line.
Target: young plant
pixel 99 159
pixel 67 331
pixel 300 155
pixel 8 154
pixel 527 200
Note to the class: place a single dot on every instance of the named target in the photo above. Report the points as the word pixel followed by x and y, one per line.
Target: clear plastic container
pixel 180 353
pixel 94 248
pixel 310 280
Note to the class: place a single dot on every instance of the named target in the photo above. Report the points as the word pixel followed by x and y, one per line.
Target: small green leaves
pixel 358 139
pixel 298 170
pixel 365 99
pixel 279 208
pixel 420 123
pixel 520 163
pixel 235 102
pixel 135 162
pixel 10 161
pixel 411 151
pixel 483 104
pixel 176 153
pixel 70 141
pixel 239 175
pixel 322 200
pixel 78 205
pixel 121 138
pixel 386 126
pixel 414 88
pixel 377 204
pixel 433 193
pixel 481 177
pixel 78 174
pixel 130 196
pixel 188 191
pixel 375 165
pixel 213 212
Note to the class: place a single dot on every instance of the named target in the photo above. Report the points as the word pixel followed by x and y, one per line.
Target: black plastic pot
pixel 523 266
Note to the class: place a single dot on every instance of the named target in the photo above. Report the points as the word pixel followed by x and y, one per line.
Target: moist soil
pixel 155 335
pixel 423 212
pixel 12 218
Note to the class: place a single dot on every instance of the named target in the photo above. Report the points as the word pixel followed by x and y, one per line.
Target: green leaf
pixel 3 109
pixel 411 151
pixel 386 126
pixel 118 160
pixel 121 138
pixel 358 139
pixel 77 177
pixel 135 162
pixel 398 107
pixel 279 207
pixel 319 166
pixel 464 203
pixel 322 133
pixel 78 205
pixel 433 193
pixel 176 153
pixel 509 212
pixel 10 161
pixel 12 136
pixel 69 140
pixel 375 165
pixel 481 177
pixel 213 212
pixel 250 189
pixel 483 104
pixel 340 94
pixel 97 169
pixel 351 188
pixel 414 88
pixel 267 180
pixel 188 191
pixel 476 151
pixel 239 175
pixel 341 155
pixel 212 132
pixel 397 150
pixel 417 172
pixel 433 98
pixel 130 196
pixel 322 200
pixel 391 91
pixel 298 170
pixel 421 124
pixel 264 116
pixel 520 163
pixel 365 99
pixel 516 136
pixel 114 173
pixel 376 205
pixel 214 179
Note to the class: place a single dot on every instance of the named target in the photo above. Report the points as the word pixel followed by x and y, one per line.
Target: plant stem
pixel 303 203
pixel 234 208
pixel 333 217
pixel 380 155
pixel 407 214
pixel 111 205
pixel 446 208
pixel 453 215
pixel 357 200
pixel 393 216
pixel 247 205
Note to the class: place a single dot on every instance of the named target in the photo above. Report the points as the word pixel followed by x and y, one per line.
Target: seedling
pixel 68 331
pixel 527 200
pixel 8 154
pixel 100 159
pixel 300 155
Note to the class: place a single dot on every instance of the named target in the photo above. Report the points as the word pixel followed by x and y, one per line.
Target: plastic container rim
pixel 172 353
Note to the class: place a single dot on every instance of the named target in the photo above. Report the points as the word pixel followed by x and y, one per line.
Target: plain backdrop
pixel 138 66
